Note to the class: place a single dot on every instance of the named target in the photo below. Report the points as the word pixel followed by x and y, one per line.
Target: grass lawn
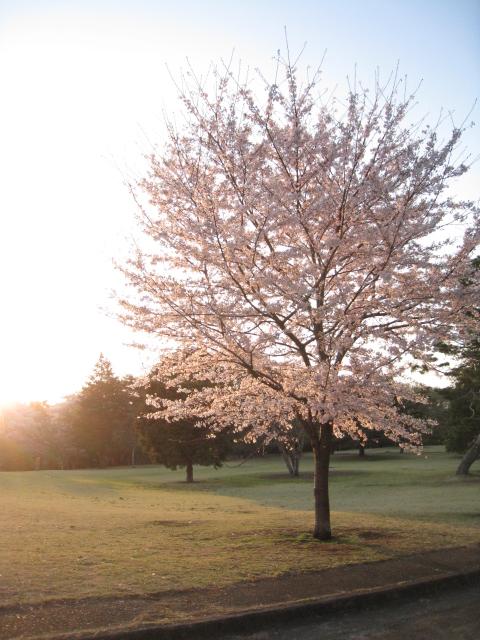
pixel 122 531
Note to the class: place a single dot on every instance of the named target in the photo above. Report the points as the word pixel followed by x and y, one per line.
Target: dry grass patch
pixel 85 534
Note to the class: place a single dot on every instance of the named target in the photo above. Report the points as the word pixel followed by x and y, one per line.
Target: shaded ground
pixel 451 615
pixel 61 617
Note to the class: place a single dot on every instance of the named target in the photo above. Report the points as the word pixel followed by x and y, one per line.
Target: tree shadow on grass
pixel 248 481
pixel 370 456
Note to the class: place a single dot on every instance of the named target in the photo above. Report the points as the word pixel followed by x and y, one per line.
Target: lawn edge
pixel 251 620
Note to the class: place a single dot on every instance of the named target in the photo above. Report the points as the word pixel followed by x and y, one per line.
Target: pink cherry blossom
pixel 303 259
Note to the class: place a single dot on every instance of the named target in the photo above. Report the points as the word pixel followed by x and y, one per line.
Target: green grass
pixel 119 531
pixel 385 482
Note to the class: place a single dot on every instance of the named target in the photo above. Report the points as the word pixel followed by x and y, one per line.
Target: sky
pixel 84 86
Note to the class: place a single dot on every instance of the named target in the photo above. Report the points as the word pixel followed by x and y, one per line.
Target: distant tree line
pixel 93 428
pixel 106 424
pixel 115 421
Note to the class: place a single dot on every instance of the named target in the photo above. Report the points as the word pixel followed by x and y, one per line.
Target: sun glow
pixel 65 210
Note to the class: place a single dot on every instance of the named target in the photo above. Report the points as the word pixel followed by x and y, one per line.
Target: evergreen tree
pixel 179 443
pixel 463 415
pixel 434 408
pixel 102 418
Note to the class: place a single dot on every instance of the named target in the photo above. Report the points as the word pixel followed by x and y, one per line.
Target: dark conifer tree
pixel 103 418
pixel 463 415
pixel 180 443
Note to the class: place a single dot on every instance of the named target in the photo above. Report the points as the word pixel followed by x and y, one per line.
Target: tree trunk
pixel 361 450
pixel 292 451
pixel 469 458
pixel 296 466
pixel 287 459
pixel 291 459
pixel 321 445
pixel 189 469
pixel 132 457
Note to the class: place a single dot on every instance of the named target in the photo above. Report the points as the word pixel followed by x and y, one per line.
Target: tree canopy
pixel 102 417
pixel 302 246
pixel 182 442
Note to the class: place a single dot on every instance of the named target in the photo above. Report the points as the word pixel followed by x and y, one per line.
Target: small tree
pixel 297 247
pixel 181 442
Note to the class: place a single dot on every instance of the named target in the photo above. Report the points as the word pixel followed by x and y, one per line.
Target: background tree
pixel 181 442
pixel 102 418
pixel 32 437
pixel 291 444
pixel 433 408
pixel 463 413
pixel 297 246
pixel 463 416
pixel 14 455
pixel 45 436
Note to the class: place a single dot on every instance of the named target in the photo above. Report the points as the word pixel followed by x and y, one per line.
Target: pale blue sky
pixel 82 80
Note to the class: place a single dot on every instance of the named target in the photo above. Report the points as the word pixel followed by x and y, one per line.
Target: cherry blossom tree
pixel 308 252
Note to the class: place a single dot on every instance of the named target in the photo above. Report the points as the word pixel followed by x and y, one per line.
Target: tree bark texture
pixel 321 445
pixel 472 454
